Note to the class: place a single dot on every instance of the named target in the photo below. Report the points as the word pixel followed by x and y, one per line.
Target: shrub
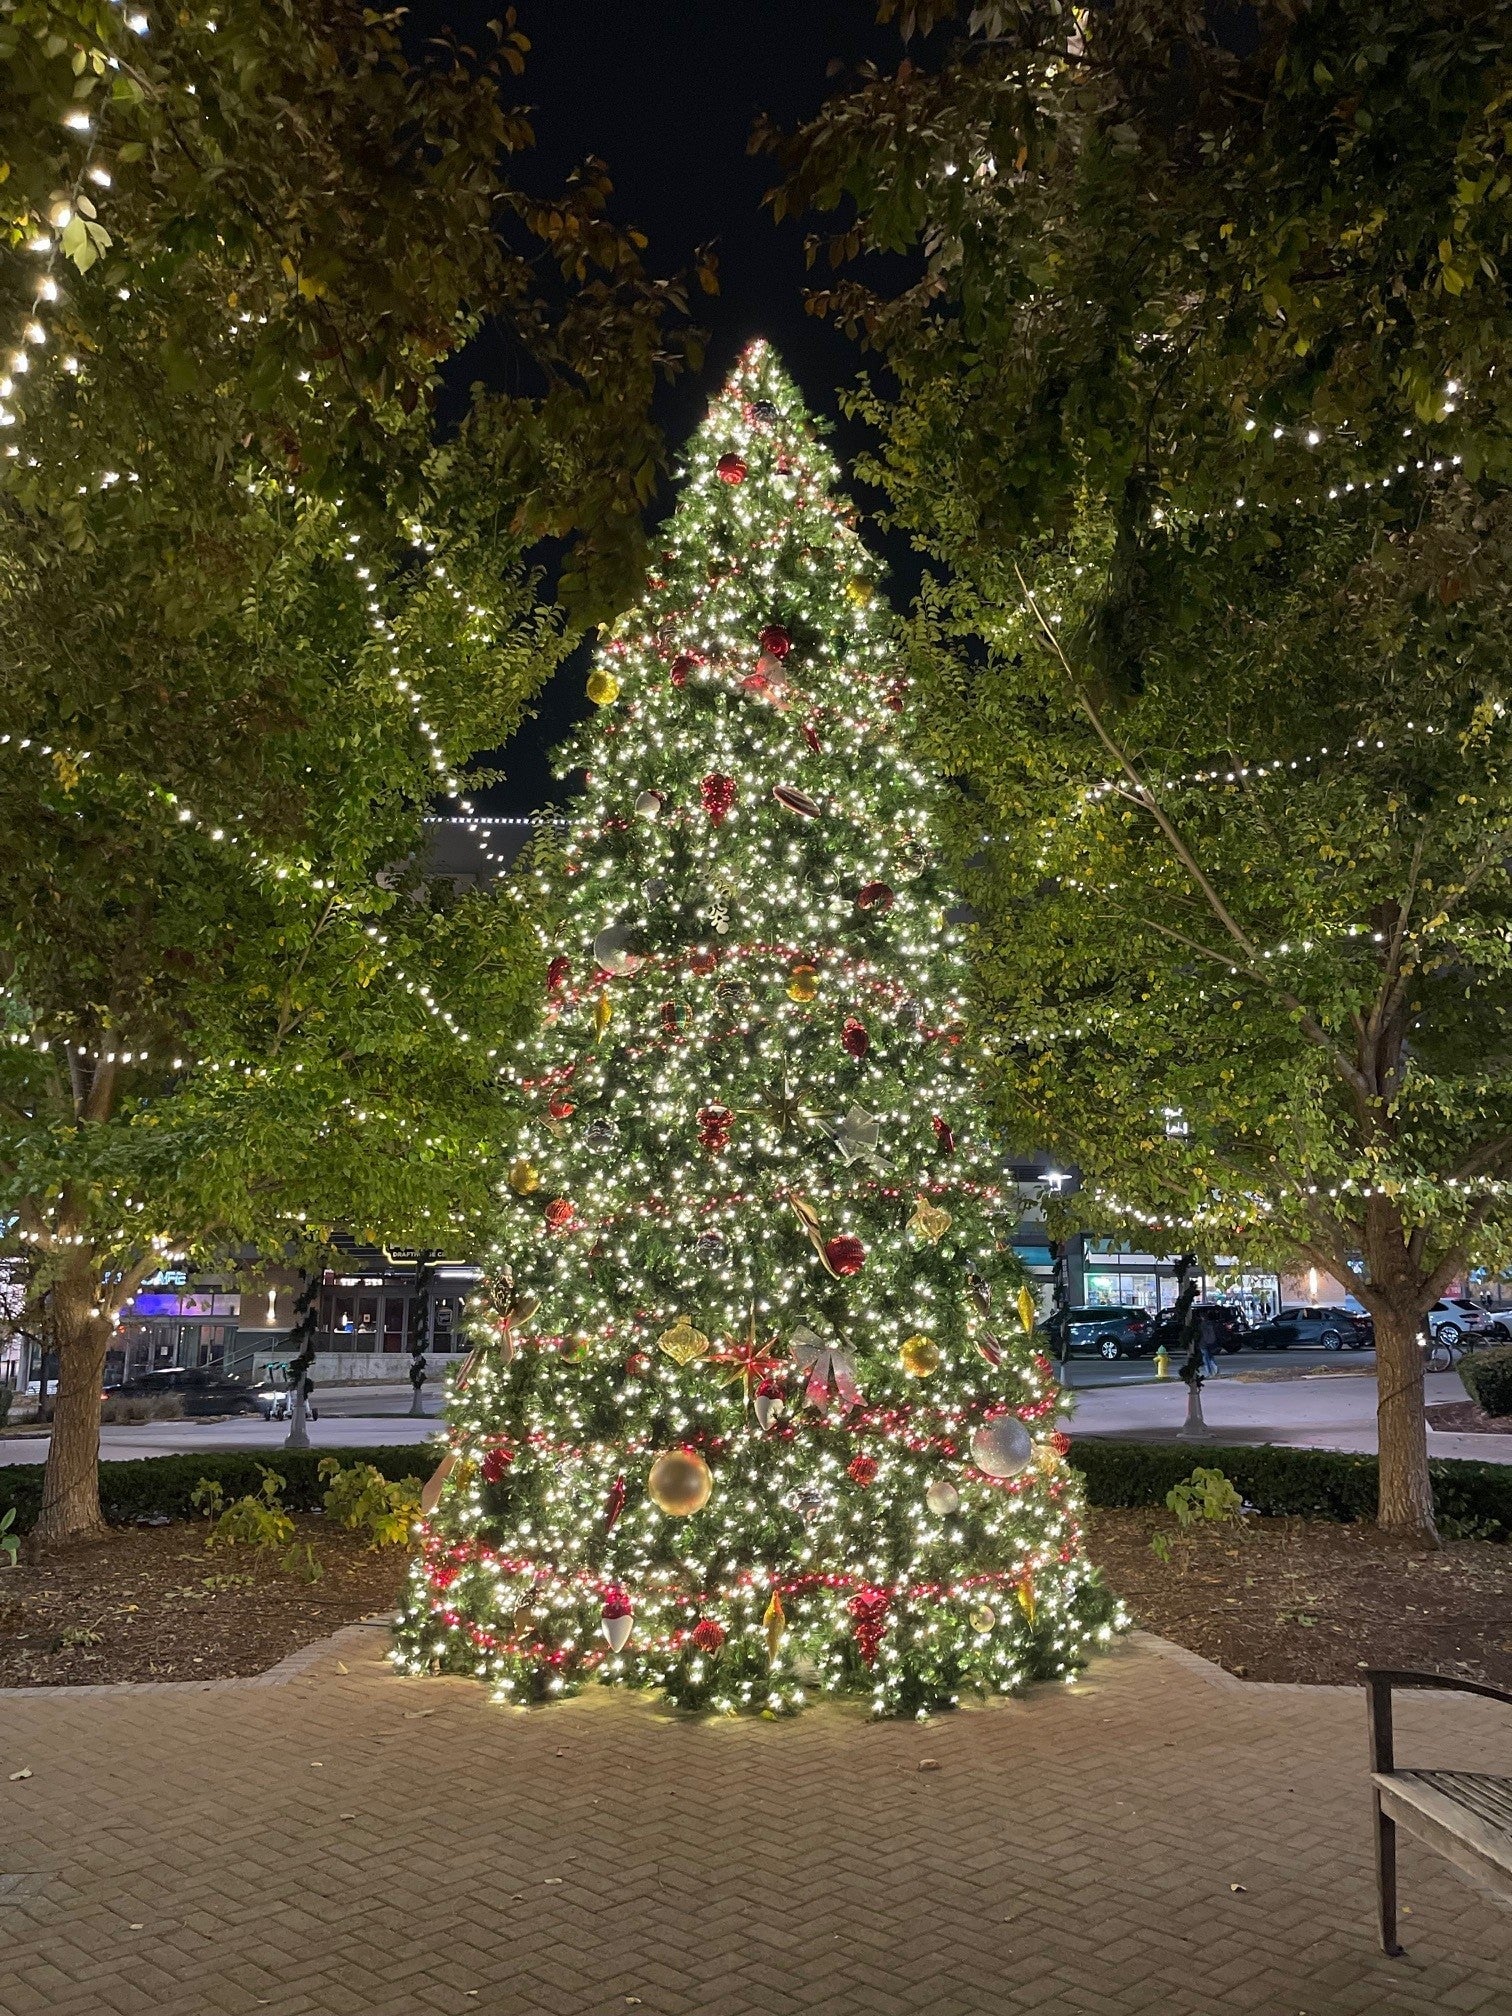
pixel 1487 1378
pixel 118 1408
pixel 257 1520
pixel 363 1500
pixel 7 1394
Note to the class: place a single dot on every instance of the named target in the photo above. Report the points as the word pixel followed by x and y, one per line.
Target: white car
pixel 1454 1319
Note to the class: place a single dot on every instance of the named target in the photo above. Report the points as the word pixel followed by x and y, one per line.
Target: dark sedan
pixel 1110 1333
pixel 1324 1328
pixel 1230 1326
pixel 203 1391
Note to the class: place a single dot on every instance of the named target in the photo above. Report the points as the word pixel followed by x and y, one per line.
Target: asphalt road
pixel 1083 1372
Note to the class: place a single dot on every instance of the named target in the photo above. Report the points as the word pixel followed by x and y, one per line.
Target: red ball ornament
pixel 682 665
pixel 703 961
pixel 561 1107
pixel 875 896
pixel 638 1365
pixel 775 639
pixel 556 973
pixel 862 1470
pixel 1060 1443
pixel 708 1636
pixel 731 468
pixel 855 1037
pixel 892 699
pixel 845 1253
pixel 944 1134
pixel 496 1464
pixel 714 1124
pixel 718 794
pixel 559 1214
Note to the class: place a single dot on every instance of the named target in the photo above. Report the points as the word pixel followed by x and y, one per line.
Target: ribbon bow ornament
pixel 818 1363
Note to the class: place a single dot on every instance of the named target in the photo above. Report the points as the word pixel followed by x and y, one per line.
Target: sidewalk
pixel 1322 1410
pixel 342 1842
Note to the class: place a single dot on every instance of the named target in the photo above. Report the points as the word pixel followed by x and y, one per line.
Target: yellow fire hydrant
pixel 1162 1363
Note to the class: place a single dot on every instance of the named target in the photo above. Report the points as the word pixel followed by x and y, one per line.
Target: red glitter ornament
pixel 731 468
pixel 561 1107
pixel 638 1365
pixel 718 794
pixel 682 665
pixel 1060 1443
pixel 708 1636
pixel 496 1464
pixel 703 961
pixel 862 1470
pixel 875 896
pixel 868 1609
pixel 944 1134
pixel 845 1253
pixel 855 1037
pixel 559 1214
pixel 616 1602
pixel 614 1504
pixel 556 973
pixel 775 640
pixel 714 1124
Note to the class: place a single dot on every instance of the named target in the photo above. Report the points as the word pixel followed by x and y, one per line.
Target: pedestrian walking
pixel 1207 1339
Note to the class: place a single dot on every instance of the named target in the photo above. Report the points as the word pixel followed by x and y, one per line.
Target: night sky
pixel 665 92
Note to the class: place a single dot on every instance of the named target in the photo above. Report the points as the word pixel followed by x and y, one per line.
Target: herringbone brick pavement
pixel 347 1841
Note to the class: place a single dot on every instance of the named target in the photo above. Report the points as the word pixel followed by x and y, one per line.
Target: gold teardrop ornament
pixel 682 1343
pixel 929 1222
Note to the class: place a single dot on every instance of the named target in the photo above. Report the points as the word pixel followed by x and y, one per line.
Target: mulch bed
pixel 1464 1417
pixel 153 1603
pixel 1305 1599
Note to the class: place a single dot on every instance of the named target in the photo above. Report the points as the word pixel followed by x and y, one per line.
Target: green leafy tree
pixel 779 1424
pixel 255 612
pixel 1199 405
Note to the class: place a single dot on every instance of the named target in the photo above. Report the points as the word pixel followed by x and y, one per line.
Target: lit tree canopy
pixel 1201 405
pixel 756 1412
pixel 254 615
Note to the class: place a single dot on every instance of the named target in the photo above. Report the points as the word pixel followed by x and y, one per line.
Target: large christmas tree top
pixel 755 1411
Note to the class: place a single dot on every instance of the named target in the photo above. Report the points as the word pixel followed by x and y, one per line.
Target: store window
pixel 367 1318
pixel 393 1322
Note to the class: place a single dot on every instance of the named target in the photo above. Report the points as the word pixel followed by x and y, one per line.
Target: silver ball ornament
pixel 1003 1447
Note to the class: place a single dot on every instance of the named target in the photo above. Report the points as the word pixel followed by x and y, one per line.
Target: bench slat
pixel 1426 1806
pixel 1477 1791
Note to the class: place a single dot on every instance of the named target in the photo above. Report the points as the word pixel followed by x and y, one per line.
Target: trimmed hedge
pixel 161 1485
pixel 1312 1483
pixel 1487 1378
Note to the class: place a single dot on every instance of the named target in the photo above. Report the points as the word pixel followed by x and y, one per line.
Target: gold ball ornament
pixel 679 1483
pixel 859 591
pixel 803 983
pixel 982 1618
pixel 524 1178
pixel 603 687
pixel 920 1355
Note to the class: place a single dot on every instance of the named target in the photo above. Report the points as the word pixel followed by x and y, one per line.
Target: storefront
pixel 388 1302
pixel 1117 1278
pixel 178 1320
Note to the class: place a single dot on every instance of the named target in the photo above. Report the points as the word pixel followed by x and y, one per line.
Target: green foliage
pixel 1202 404
pixel 1300 1483
pixel 155 1487
pixel 256 1520
pixel 7 1395
pixel 10 1545
pixel 1206 1496
pixel 1487 1377
pixel 361 1499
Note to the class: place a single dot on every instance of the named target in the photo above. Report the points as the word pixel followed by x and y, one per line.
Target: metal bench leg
pixel 1386 1884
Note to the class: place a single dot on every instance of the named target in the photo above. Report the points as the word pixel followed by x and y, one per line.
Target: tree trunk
pixel 1406 1492
pixel 71 1480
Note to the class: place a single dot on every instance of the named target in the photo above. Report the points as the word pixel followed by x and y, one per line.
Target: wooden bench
pixel 1465 1815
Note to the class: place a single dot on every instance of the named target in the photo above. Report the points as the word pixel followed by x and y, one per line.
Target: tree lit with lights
pixel 756 1413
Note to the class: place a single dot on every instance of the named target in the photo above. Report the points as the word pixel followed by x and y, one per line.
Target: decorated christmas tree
pixel 756 1411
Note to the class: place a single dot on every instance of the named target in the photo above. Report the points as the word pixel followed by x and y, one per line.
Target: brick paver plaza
pixel 326 1841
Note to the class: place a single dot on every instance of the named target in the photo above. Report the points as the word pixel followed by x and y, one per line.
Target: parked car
pixel 203 1391
pixel 1231 1325
pixel 1324 1326
pixel 1110 1333
pixel 1454 1319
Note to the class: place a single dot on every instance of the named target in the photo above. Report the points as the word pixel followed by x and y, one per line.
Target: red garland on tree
pixel 855 1037
pixel 614 1504
pixel 868 1609
pixel 875 896
pixel 718 794
pixel 775 640
pixel 731 468
pixel 559 1214
pixel 862 1470
pixel 845 1253
pixel 714 1124
pixel 944 1134
pixel 556 973
pixel 708 1636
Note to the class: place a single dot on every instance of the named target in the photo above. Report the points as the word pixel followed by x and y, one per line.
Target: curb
pixel 290 1667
